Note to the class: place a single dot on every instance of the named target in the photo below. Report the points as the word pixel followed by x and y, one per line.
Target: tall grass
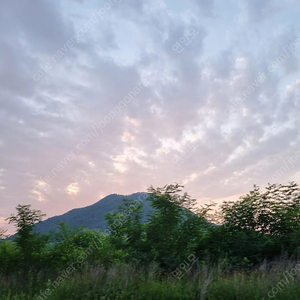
pixel 124 282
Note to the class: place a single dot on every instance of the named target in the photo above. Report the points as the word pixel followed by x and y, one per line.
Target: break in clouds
pixel 114 96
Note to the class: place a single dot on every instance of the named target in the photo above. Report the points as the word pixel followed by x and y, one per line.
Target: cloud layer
pixel 117 96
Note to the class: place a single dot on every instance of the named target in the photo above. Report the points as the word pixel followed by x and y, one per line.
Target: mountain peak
pixel 93 216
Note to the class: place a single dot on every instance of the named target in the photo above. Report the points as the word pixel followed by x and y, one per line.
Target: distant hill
pixel 93 216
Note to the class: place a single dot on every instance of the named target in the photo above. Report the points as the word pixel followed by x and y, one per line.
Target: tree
pixel 172 227
pixel 127 232
pixel 29 243
pixel 2 233
pixel 25 218
pixel 275 212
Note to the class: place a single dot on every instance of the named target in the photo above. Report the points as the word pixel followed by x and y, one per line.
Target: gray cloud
pixel 206 6
pixel 122 104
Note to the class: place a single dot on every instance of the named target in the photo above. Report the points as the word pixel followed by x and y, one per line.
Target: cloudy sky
pixel 101 97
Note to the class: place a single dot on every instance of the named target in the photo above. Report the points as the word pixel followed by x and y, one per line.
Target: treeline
pixel 177 240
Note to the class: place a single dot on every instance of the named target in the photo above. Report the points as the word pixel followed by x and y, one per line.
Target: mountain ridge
pixel 93 216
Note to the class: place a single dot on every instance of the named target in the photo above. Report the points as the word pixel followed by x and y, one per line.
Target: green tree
pixel 127 232
pixel 172 229
pixel 9 257
pixel 73 243
pixel 30 244
pixel 274 213
pixel 25 219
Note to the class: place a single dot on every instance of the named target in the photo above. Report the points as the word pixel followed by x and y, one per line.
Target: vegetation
pixel 247 249
pixel 2 233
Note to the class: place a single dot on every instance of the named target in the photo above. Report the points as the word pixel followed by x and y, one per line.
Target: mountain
pixel 93 216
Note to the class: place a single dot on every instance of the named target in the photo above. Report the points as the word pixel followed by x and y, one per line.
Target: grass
pixel 127 282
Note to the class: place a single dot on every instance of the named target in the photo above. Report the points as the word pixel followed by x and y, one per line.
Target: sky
pixel 103 97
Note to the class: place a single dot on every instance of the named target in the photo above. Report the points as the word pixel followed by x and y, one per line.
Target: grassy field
pixel 279 281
